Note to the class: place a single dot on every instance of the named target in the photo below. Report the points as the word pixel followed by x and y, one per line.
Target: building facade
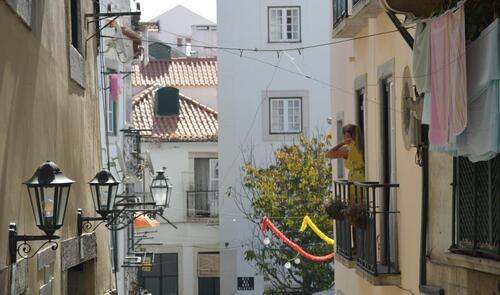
pixel 443 236
pixel 183 31
pixel 264 100
pixel 51 111
pixel 183 140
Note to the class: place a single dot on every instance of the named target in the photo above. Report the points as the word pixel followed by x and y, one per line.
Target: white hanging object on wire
pixel 288 265
pixel 266 241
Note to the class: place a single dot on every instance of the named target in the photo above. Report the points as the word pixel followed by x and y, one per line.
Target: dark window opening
pixel 75 24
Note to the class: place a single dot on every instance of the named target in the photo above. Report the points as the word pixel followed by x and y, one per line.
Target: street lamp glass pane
pixel 47 202
pixel 63 202
pixel 103 197
pixel 33 193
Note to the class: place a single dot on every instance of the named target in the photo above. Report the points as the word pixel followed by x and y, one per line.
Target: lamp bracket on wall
pixel 24 248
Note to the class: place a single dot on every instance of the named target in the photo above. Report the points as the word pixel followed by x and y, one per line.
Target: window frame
pixel 299 25
pixel 475 247
pixel 285 115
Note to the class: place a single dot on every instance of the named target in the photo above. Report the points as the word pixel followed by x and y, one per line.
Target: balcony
pixel 202 205
pixel 343 229
pixel 375 247
pixel 351 16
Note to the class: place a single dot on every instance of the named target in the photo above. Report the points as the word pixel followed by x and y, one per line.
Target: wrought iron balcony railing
pixel 343 229
pixel 376 236
pixel 202 204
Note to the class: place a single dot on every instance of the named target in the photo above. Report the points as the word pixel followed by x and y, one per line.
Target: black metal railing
pixel 202 203
pixel 343 236
pixel 476 208
pixel 376 236
pixel 339 11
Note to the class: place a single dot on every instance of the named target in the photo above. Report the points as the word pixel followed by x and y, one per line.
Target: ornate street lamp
pixel 103 188
pixel 118 215
pixel 48 191
pixel 161 189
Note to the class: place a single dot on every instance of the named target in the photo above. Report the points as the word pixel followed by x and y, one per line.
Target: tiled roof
pixel 175 72
pixel 151 26
pixel 196 121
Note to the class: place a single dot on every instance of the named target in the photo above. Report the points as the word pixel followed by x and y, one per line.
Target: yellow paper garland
pixel 308 222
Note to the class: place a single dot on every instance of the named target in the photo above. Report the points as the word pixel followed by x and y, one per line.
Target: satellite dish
pixel 411 106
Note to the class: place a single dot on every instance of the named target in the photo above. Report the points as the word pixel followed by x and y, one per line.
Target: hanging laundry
pixel 440 81
pixel 481 140
pixel 115 85
pixel 422 58
pixel 458 77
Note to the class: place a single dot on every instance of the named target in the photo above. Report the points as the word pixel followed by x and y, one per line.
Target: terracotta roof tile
pixel 196 121
pixel 175 72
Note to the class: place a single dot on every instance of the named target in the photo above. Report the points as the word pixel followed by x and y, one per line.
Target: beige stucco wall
pixel 369 54
pixel 45 115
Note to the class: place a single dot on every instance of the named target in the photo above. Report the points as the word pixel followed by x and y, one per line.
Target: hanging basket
pixel 334 209
pixel 356 215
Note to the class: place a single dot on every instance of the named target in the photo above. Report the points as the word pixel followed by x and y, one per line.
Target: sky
pixel 153 8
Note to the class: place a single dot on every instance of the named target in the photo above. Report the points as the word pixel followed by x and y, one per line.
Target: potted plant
pixel 334 209
pixel 356 215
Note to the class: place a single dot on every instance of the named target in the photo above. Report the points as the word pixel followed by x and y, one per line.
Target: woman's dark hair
pixel 356 135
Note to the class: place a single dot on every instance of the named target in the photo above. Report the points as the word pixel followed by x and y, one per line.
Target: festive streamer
pixel 308 222
pixel 267 224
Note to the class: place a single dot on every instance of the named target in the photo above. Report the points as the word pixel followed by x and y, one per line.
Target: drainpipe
pixel 424 148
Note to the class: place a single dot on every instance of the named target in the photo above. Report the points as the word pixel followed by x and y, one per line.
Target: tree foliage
pixel 295 184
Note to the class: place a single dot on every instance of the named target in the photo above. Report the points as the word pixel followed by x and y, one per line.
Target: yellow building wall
pixel 46 115
pixel 369 54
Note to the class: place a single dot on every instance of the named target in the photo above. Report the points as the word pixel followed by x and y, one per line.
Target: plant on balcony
pixel 293 185
pixel 356 215
pixel 334 209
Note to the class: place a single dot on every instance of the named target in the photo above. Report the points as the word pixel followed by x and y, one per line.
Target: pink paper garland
pixel 267 224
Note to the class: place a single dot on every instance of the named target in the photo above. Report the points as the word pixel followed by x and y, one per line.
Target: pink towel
pixel 458 77
pixel 114 86
pixel 440 81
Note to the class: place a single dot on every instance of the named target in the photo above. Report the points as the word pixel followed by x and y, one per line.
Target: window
pixel 75 25
pixel 208 273
pixel 203 201
pixel 111 108
pixel 284 24
pixel 163 277
pixel 476 208
pixel 285 115
pixel 111 115
pixel 180 42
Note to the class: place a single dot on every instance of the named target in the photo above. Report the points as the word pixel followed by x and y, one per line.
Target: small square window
pixel 285 115
pixel 284 24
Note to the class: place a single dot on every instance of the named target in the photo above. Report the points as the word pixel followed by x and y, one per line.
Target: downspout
pixel 424 149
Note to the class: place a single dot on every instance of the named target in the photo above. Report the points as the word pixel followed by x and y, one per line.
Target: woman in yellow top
pixel 352 150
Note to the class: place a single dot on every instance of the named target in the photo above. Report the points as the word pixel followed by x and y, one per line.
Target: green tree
pixel 295 184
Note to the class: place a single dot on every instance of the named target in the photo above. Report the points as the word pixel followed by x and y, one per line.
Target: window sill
pixel 284 41
pixel 77 66
pixel 207 220
pixel 380 279
pixel 23 10
pixel 474 263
